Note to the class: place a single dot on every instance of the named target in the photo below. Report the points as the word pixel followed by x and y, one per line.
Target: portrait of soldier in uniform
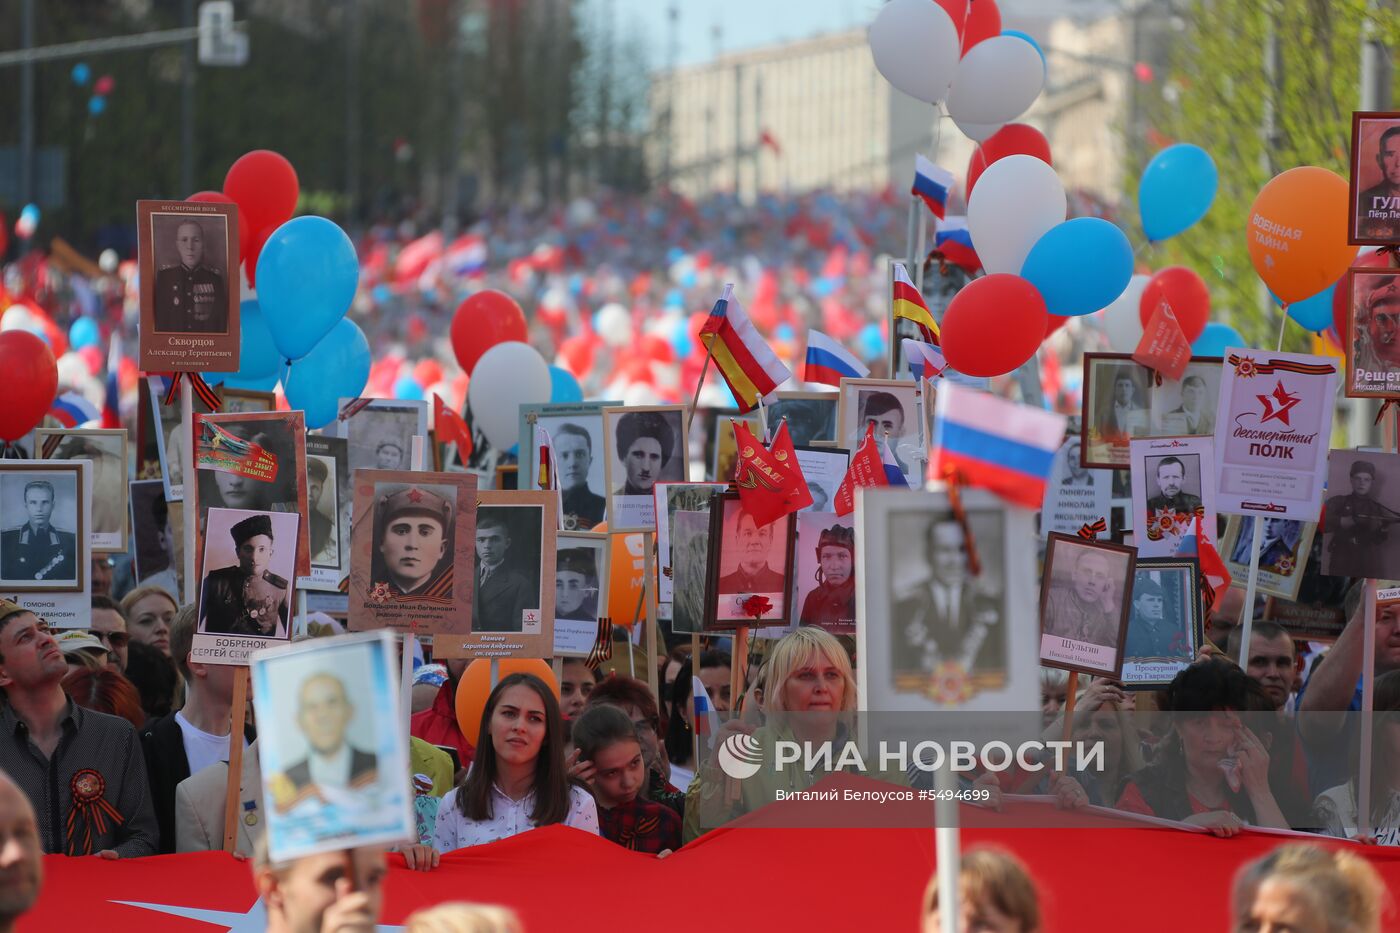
pixel 191 296
pixel 945 617
pixel 1152 631
pixel 809 418
pixel 1171 480
pixel 38 551
pixel 1086 607
pixel 1374 361
pixel 1356 524
pixel 503 591
pixel 412 554
pixel 325 541
pixel 832 603
pixel 333 770
pixel 573 454
pixel 753 547
pixel 576 584
pixel 247 598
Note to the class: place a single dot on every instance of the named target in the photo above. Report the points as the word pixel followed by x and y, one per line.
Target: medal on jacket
pixel 58 559
pixel 91 809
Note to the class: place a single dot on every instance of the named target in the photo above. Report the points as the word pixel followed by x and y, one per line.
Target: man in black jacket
pixel 182 743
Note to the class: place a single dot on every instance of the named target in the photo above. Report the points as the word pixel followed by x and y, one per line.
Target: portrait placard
pixel 576 430
pixel 1372 340
pixel 1375 179
pixel 894 408
pixel 580 589
pixel 169 435
pixel 641 447
pixel 1186 408
pixel 44 520
pixel 1084 604
pixel 1173 481
pixel 670 499
pixel 254 461
pixel 411 544
pixel 148 440
pixel 690 568
pixel 746 560
pixel 824 572
pixel 106 450
pixel 319 704
pixel 513 578
pixel 330 512
pixel 823 468
pixel 811 416
pixel 1273 428
pixel 1123 400
pixel 154 536
pixel 1283 552
pixel 188 260
pixel 1363 506
pixel 245 596
pixel 379 432
pixel 1165 624
pixel 930 634
pixel 1075 496
pixel 237 401
pixel 1318 613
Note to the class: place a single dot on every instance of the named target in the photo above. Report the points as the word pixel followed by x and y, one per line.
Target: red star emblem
pixel 415 496
pixel 1286 402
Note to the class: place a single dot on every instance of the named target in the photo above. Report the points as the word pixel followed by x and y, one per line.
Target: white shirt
pixel 202 749
pixel 509 818
pixel 330 770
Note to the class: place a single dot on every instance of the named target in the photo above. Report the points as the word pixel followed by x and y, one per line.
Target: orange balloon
pixel 1298 232
pixel 626 572
pixel 475 688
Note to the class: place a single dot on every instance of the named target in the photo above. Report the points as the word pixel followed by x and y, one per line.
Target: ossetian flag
pixel 750 367
pixel 995 444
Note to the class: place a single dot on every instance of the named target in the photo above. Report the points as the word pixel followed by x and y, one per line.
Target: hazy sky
pixel 745 23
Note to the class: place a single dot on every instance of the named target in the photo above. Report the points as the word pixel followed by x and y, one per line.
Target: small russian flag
pixel 73 410
pixel 932 184
pixel 466 256
pixel 828 362
pixel 995 444
pixel 925 360
pixel 894 476
pixel 706 719
pixel 954 241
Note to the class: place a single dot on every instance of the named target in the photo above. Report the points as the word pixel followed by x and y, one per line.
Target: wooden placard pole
pixel 737 664
pixel 649 587
pixel 1368 689
pixel 1247 623
pixel 695 672
pixel 1071 688
pixel 233 787
pixel 187 498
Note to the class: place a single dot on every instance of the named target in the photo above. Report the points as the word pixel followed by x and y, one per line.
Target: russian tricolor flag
pixel 466 256
pixel 828 362
pixel 953 240
pixel 932 184
pixel 73 410
pixel 894 477
pixel 925 360
pixel 706 719
pixel 995 444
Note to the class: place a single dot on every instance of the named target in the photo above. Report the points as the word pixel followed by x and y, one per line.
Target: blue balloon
pixel 1314 313
pixel 83 333
pixel 1080 266
pixel 870 343
pixel 1176 190
pixel 260 366
pixel 563 387
pixel 1021 35
pixel 680 338
pixel 96 104
pixel 81 72
pixel 406 387
pixel 336 368
pixel 1215 338
pixel 307 276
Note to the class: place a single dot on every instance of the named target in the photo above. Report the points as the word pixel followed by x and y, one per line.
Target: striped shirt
pixel 90 740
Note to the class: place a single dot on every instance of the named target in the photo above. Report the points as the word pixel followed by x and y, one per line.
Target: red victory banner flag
pixel 770 481
pixel 867 469
pixel 451 428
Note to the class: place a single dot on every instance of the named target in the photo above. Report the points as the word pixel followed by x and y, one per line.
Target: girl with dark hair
pixel 1210 770
pixel 680 728
pixel 607 738
pixel 518 779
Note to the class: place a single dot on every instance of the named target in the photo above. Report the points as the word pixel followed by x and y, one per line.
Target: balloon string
pixel 1281 325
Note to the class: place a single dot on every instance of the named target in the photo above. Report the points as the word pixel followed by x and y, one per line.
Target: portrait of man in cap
pixel 333 769
pixel 1278 546
pixel 1374 361
pixel 1153 630
pixel 38 551
pixel 325 543
pixel 247 598
pixel 412 554
pixel 832 604
pixel 1356 524
pixel 573 454
pixel 502 593
pixel 191 296
pixel 576 584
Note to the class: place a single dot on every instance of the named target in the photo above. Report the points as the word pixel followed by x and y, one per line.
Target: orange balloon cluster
pixel 1298 232
pixel 474 689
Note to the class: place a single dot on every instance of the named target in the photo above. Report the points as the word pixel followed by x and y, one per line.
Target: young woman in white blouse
pixel 518 779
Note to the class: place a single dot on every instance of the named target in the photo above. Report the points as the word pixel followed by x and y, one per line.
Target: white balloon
pixel 1016 201
pixel 507 376
pixel 978 132
pixel 915 46
pixel 108 261
pixel 614 325
pixel 997 81
pixel 1122 320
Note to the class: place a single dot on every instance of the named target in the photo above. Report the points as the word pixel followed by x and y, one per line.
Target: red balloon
pixel 994 324
pixel 576 355
pixel 983 22
pixel 245 233
pixel 256 242
pixel 1011 139
pixel 1184 291
pixel 1053 323
pixel 485 319
pixel 654 348
pixel 427 372
pixel 32 375
pixel 264 186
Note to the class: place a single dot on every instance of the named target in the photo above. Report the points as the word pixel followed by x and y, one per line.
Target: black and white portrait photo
pixel 690 570
pixel 1116 408
pixel 507 593
pixel 823 468
pixel 1075 495
pixel 43 533
pixel 329 510
pixel 155 563
pixel 1084 604
pixel 1164 621
pixel 580 591
pixel 1173 482
pixel 747 559
pixel 892 409
pixel 1283 552
pixel 643 446
pixel 672 498
pixel 1375 178
pixel 811 416
pixel 249 566
pixel 576 433
pixel 824 571
pixel 1360 515
pixel 1188 406
pixel 380 435
pixel 191 273
pixel 105 449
